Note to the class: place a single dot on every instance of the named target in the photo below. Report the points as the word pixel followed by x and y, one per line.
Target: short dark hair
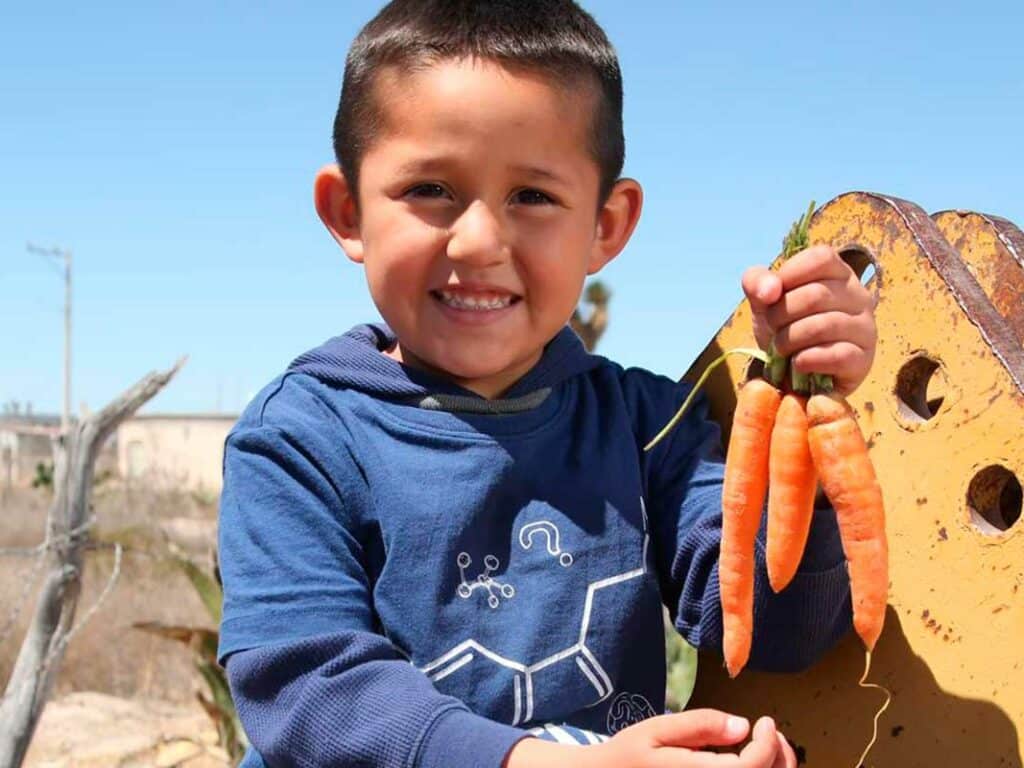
pixel 556 38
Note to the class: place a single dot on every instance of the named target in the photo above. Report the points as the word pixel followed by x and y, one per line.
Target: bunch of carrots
pixel 784 440
pixel 782 443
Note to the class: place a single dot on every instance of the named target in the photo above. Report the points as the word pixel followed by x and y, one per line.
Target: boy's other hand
pixel 818 313
pixel 690 739
pixel 683 740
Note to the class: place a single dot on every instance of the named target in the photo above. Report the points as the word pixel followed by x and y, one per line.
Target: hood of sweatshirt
pixel 354 360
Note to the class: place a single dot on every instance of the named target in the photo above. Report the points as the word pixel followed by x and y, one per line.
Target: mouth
pixel 476 300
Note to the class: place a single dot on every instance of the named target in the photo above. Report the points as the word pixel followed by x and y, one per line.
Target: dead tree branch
pixel 67 525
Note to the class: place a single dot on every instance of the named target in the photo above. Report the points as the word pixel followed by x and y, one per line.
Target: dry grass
pixel 107 655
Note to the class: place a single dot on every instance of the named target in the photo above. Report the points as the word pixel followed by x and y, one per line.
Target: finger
pixel 761 752
pixel 696 728
pixel 819 262
pixel 817 297
pixel 672 757
pixel 762 287
pixel 763 746
pixel 846 363
pixel 786 757
pixel 825 328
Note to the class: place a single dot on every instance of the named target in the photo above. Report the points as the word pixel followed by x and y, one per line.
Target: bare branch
pixel 100 425
pixel 43 648
pixel 114 573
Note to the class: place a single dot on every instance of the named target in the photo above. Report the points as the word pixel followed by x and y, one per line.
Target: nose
pixel 476 238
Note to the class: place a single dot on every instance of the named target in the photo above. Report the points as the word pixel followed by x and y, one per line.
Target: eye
pixel 427 191
pixel 532 197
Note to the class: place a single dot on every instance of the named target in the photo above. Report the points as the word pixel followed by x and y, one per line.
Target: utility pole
pixel 65 256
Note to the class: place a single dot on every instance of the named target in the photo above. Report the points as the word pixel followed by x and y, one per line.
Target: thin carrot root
pixel 878 714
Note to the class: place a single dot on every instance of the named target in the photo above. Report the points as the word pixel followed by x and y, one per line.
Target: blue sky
pixel 172 148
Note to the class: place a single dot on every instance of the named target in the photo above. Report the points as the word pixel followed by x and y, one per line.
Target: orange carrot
pixel 848 477
pixel 792 483
pixel 743 492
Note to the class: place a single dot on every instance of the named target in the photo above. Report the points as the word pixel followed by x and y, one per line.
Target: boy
pixel 441 536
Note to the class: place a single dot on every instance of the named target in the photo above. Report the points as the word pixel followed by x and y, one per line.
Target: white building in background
pixel 24 443
pixel 174 450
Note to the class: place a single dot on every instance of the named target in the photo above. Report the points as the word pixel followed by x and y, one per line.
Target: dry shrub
pixel 107 655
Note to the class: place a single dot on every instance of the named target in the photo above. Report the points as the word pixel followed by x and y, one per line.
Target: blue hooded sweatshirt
pixel 416 576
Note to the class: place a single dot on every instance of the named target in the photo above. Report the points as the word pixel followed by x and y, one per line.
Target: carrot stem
pixel 775 367
pixel 795 241
pixel 801 382
pixel 758 354
pixel 798 238
pixel 821 383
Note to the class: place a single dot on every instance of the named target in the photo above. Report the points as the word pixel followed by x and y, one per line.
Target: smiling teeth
pixel 470 302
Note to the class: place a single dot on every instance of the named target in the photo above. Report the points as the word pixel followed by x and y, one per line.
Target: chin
pixel 470 363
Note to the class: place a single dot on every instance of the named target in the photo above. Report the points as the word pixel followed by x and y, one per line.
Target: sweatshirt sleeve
pixel 792 629
pixel 314 682
pixel 348 699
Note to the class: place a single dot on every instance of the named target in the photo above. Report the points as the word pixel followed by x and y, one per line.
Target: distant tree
pixel 16 408
pixel 590 330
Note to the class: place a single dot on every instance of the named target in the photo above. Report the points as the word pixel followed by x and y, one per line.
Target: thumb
pixel 762 288
pixel 698 728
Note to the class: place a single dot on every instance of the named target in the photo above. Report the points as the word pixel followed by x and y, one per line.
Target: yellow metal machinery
pixel 943 413
pixel 993 250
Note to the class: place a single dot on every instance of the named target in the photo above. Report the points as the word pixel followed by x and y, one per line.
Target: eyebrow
pixel 428 165
pixel 421 166
pixel 540 173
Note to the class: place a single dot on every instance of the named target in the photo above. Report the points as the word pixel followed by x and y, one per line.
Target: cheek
pixel 554 287
pixel 400 253
pixel 559 262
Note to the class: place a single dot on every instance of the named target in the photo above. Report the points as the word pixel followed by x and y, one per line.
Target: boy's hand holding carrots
pixel 818 313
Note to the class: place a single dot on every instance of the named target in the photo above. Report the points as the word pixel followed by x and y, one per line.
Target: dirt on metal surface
pixel 943 414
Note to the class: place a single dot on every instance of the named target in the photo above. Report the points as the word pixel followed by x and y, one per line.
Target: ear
pixel 336 205
pixel 615 223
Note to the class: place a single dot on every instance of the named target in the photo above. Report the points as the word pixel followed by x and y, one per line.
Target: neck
pixel 490 387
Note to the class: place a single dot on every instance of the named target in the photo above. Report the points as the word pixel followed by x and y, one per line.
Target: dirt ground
pixel 94 730
pixel 117 685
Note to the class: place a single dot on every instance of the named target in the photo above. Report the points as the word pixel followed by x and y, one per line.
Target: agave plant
pixel 218 703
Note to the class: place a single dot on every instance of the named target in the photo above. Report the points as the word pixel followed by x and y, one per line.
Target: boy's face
pixel 478 217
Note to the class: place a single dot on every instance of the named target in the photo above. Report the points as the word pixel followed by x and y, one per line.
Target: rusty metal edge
pixel 966 290
pixel 1009 234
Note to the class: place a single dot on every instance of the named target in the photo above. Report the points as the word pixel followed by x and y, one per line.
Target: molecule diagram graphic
pixel 483 580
